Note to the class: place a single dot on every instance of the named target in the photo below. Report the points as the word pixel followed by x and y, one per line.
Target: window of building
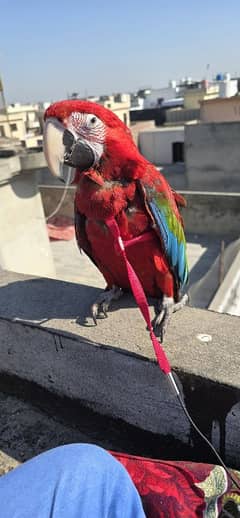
pixel 177 152
pixel 2 131
pixel 109 105
pixel 13 127
pixel 125 118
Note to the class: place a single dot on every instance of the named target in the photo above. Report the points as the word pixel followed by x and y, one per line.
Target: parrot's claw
pixel 166 308
pixel 101 306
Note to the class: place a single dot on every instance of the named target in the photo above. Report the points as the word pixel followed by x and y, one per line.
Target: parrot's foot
pixel 101 306
pixel 166 308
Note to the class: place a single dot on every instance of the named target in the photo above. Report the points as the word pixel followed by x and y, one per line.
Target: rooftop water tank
pixel 172 83
pixel 227 76
pixel 219 77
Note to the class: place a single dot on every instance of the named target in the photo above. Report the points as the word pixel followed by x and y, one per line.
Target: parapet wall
pixel 24 243
pixel 212 213
pixel 206 213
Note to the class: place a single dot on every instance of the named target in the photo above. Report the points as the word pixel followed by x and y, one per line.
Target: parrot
pixel 88 145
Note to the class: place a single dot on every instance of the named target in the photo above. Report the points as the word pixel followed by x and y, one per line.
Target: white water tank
pixel 172 83
pixel 228 88
pixel 227 76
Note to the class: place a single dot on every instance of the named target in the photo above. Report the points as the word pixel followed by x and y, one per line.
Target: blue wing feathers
pixel 161 223
pixel 172 238
pixel 174 251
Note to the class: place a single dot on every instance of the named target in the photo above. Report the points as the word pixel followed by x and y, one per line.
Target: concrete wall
pixel 156 145
pixel 212 213
pixel 24 243
pixel 206 213
pixel 220 110
pixel 140 126
pixel 179 116
pixel 212 156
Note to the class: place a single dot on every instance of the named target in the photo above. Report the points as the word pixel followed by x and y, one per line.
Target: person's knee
pixel 74 455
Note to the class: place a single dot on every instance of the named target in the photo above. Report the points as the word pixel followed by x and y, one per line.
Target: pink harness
pixel 138 292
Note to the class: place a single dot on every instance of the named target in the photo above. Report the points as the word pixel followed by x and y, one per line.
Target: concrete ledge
pixel 10 167
pixel 110 369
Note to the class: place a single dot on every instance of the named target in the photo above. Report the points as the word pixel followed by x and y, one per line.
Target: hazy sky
pixel 49 48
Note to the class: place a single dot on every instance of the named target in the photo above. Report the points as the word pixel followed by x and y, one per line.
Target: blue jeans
pixel 73 481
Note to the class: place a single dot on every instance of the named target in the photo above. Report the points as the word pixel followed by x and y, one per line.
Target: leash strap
pixel 139 295
pixel 163 362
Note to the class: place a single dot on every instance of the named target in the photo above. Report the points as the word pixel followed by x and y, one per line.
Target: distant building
pixel 163 146
pixel 137 102
pixel 118 103
pixel 198 92
pixel 227 86
pixel 21 122
pixel 220 110
pixel 156 96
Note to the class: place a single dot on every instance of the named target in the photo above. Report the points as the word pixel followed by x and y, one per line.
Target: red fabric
pixel 60 228
pixel 170 489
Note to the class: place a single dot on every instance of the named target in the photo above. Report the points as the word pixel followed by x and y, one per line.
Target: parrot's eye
pixel 87 126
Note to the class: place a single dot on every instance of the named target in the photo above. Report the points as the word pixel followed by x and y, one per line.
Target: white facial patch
pixel 90 128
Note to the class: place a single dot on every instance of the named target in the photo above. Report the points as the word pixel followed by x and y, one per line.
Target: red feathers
pixel 62 109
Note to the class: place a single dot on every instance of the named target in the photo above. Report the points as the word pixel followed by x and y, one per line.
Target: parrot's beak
pixel 63 151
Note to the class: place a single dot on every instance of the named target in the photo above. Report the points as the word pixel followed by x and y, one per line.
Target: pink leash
pixel 140 298
pixel 163 362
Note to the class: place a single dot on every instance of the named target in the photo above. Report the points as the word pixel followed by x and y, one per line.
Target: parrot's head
pixel 86 136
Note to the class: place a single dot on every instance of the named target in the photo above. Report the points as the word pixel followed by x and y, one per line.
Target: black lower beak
pixel 78 152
